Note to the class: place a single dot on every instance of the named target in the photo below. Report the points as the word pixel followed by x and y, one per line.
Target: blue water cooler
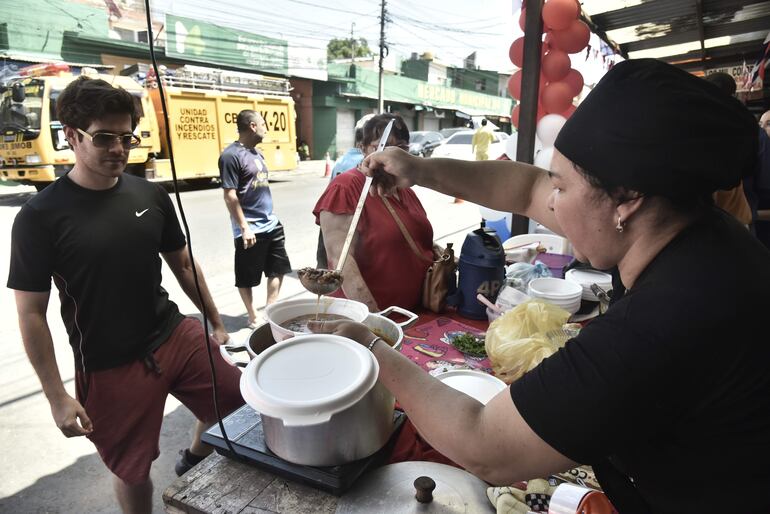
pixel 481 270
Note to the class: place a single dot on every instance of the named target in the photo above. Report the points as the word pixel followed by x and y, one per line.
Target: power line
pixel 326 7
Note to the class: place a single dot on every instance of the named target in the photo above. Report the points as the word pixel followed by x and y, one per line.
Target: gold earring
pixel 619 227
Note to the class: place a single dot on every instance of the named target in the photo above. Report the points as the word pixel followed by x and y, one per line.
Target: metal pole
pixel 380 101
pixel 352 44
pixel 530 84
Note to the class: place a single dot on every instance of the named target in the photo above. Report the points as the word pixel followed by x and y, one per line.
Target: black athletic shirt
pixel 102 250
pixel 668 394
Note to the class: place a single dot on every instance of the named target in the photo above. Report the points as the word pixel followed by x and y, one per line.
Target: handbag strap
pixel 403 229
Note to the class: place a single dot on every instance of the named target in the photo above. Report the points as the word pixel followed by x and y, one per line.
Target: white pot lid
pixel 476 384
pixel 306 379
pixel 586 277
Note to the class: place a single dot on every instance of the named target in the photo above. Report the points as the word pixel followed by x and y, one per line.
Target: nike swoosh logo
pixel 139 213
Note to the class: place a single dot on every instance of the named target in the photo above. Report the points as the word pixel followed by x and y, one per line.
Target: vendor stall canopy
pixel 695 35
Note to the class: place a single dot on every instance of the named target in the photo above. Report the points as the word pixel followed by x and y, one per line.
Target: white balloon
pixel 548 128
pixel 512 142
pixel 491 214
pixel 510 146
pixel 543 158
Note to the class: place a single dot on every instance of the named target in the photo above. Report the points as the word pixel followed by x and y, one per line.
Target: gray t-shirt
pixel 244 170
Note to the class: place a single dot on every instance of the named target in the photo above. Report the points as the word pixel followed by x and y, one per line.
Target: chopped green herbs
pixel 470 345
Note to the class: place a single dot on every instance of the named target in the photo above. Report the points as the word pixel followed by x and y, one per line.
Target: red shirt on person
pixel 389 267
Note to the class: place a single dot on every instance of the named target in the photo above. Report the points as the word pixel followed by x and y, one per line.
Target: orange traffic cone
pixel 328 169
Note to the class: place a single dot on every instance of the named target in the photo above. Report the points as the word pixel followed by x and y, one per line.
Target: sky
pixel 450 29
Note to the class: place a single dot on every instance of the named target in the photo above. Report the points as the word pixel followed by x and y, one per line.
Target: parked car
pixel 458 146
pixel 423 142
pixel 446 132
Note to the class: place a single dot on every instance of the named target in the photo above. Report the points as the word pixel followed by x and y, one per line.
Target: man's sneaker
pixel 186 462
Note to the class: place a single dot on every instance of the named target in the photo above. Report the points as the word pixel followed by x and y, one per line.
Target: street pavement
pixel 42 471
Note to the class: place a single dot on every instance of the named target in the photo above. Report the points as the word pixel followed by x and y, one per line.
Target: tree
pixel 342 48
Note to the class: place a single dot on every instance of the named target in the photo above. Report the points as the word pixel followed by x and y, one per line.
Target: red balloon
pixel 569 111
pixel 516 52
pixel 514 85
pixel 556 65
pixel 556 97
pixel 523 20
pixel 575 81
pixel 572 39
pixel 516 111
pixel 558 14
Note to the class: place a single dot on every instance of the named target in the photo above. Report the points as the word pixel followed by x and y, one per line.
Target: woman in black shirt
pixel 672 384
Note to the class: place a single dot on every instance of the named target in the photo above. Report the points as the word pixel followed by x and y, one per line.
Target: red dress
pixel 389 267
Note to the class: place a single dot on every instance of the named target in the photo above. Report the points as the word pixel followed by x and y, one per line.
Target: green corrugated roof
pixel 406 90
pixel 36 27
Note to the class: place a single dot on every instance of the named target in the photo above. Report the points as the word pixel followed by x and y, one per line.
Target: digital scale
pixel 244 429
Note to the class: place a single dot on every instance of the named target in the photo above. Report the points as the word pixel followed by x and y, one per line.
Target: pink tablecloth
pixel 428 345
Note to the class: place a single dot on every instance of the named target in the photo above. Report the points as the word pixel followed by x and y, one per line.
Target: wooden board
pixel 223 486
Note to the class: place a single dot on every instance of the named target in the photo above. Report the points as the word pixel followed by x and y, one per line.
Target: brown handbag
pixel 439 276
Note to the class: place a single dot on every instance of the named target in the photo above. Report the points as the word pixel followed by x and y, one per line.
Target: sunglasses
pixel 107 139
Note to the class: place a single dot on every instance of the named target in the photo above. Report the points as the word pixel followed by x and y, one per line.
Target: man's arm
pixel 234 206
pixel 66 410
pixel 507 186
pixel 334 228
pixel 181 265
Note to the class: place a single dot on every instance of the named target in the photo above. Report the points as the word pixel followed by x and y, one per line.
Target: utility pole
pixel 352 44
pixel 380 101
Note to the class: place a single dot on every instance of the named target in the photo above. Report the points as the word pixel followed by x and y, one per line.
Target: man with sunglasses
pixel 99 233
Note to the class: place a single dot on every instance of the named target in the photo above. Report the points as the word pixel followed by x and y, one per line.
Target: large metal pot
pixel 280 312
pixel 262 337
pixel 319 399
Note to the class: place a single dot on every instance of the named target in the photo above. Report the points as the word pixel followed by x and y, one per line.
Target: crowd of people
pixel 648 396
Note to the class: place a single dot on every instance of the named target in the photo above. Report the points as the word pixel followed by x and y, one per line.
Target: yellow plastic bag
pixel 516 342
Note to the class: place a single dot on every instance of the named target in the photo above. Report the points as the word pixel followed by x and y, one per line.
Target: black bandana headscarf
pixel 650 127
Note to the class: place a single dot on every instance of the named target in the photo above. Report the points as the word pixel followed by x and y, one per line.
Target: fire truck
pixel 202 107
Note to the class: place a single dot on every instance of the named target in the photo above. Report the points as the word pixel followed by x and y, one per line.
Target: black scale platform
pixel 244 429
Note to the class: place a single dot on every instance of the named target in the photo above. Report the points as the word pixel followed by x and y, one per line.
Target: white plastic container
pixel 560 292
pixel 586 277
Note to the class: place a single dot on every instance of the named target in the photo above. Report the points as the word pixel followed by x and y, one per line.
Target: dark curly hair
pixel 85 100
pixel 374 128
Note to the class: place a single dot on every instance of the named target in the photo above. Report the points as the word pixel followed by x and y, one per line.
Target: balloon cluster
pixel 564 34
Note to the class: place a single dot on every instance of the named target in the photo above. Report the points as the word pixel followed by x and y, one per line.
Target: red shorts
pixel 126 403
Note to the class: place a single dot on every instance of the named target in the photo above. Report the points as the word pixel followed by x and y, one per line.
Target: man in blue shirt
pixel 351 158
pixel 259 237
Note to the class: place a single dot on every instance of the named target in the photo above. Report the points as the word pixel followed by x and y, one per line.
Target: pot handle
pixel 302 421
pixel 411 316
pixel 227 351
